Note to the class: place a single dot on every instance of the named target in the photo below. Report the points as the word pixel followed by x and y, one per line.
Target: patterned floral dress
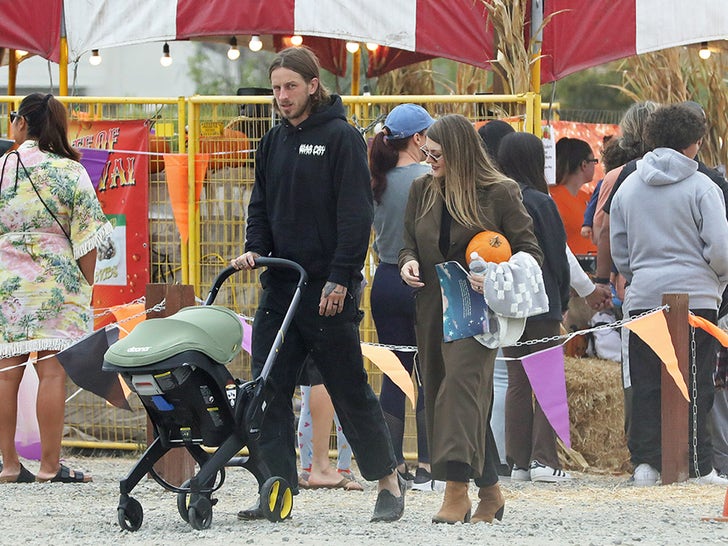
pixel 45 301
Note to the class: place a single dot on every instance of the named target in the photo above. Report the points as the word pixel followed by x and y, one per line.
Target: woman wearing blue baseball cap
pixel 395 160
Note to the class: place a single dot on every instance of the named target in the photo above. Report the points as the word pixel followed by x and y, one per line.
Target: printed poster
pixel 122 267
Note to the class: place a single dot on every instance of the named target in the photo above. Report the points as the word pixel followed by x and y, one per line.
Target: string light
pixel 166 59
pixel 352 47
pixel 372 46
pixel 95 58
pixel 296 40
pixel 704 52
pixel 255 44
pixel 233 53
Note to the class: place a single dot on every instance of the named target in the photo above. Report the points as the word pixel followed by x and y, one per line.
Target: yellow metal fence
pixel 224 131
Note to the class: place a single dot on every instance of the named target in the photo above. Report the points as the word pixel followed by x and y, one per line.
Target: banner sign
pixel 122 267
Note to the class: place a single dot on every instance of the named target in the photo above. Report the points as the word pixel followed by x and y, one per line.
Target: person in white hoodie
pixel 668 233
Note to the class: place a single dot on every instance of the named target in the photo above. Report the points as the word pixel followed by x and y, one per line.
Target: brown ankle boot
pixel 491 505
pixel 456 504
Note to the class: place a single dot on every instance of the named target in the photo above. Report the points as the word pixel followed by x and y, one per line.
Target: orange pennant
pixel 128 316
pixel 177 172
pixel 700 322
pixel 652 329
pixel 390 365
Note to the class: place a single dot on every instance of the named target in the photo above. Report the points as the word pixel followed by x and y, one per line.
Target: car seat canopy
pixel 212 330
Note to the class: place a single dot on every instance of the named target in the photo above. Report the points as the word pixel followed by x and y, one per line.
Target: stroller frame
pixel 243 419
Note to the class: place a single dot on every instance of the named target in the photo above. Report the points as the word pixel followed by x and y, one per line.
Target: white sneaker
pixel 714 478
pixel 520 474
pixel 645 475
pixel 423 481
pixel 543 473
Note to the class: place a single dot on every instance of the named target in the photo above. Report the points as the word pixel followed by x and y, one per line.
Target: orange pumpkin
pixel 491 246
pixel 158 146
pixel 226 150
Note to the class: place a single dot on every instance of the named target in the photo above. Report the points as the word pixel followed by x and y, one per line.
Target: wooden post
pixel 675 409
pixel 177 465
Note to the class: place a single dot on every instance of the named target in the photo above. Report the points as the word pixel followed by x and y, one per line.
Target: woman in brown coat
pixel 464 195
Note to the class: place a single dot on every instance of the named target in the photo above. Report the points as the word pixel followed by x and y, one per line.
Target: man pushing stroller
pixel 312 204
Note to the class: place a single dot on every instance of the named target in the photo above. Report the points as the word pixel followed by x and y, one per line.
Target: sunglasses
pixel 13 116
pixel 595 161
pixel 429 154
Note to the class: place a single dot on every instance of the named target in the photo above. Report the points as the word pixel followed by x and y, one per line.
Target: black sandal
pixel 25 476
pixel 66 475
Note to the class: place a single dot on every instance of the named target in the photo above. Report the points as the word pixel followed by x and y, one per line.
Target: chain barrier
pixel 565 337
pixel 694 374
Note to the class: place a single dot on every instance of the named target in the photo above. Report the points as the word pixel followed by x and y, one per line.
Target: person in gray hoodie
pixel 668 233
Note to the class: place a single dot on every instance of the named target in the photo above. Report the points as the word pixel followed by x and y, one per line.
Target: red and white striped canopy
pixel 582 33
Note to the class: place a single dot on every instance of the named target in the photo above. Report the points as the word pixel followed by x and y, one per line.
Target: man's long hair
pixel 302 61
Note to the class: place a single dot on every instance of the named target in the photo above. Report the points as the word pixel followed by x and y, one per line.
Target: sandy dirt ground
pixel 593 509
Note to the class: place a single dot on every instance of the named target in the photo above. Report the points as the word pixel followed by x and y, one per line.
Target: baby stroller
pixel 177 367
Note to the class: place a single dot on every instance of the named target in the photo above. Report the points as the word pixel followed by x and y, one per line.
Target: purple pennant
pixel 545 371
pixel 247 335
pixel 94 161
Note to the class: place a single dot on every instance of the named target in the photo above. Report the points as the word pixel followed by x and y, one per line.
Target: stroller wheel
pixel 183 502
pixel 130 514
pixel 200 512
pixel 276 499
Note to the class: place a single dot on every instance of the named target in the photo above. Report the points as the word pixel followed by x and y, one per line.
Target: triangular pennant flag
pixel 201 163
pixel 27 432
pixel 703 323
pixel 390 365
pixel 177 173
pixel 94 161
pixel 545 371
pixel 653 330
pixel 247 336
pixel 128 316
pixel 83 360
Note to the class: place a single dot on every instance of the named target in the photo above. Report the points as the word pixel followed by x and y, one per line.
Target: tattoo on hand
pixel 329 288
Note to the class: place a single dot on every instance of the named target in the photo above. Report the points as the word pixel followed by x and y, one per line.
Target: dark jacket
pixel 549 230
pixel 312 202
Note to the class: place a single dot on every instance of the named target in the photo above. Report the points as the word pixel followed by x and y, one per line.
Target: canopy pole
pixel 536 42
pixel 12 71
pixel 355 70
pixel 63 68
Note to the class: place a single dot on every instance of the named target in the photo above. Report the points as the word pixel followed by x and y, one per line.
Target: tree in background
pixel 215 74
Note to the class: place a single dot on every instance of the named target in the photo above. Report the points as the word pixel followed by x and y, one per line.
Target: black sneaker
pixel 423 481
pixel 407 477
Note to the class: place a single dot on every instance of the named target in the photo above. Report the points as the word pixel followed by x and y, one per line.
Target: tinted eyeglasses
pixel 434 157
pixel 13 116
pixel 593 160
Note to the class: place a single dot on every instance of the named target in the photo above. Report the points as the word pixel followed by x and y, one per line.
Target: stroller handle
pixel 259 262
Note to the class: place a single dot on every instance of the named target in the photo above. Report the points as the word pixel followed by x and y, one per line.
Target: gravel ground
pixel 593 509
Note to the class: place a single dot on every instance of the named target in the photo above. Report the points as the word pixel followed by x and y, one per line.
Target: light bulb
pixel 352 47
pixel 166 59
pixel 20 53
pixel 255 43
pixel 704 52
pixel 233 53
pixel 372 46
pixel 95 58
pixel 296 40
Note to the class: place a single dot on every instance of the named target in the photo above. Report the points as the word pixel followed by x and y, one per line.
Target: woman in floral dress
pixel 50 225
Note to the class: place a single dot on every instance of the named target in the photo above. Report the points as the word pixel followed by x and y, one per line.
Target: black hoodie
pixel 312 201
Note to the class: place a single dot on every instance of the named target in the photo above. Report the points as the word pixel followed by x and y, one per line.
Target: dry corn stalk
pixel 677 74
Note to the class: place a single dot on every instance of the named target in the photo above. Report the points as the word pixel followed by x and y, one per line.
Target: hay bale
pixel 596 412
